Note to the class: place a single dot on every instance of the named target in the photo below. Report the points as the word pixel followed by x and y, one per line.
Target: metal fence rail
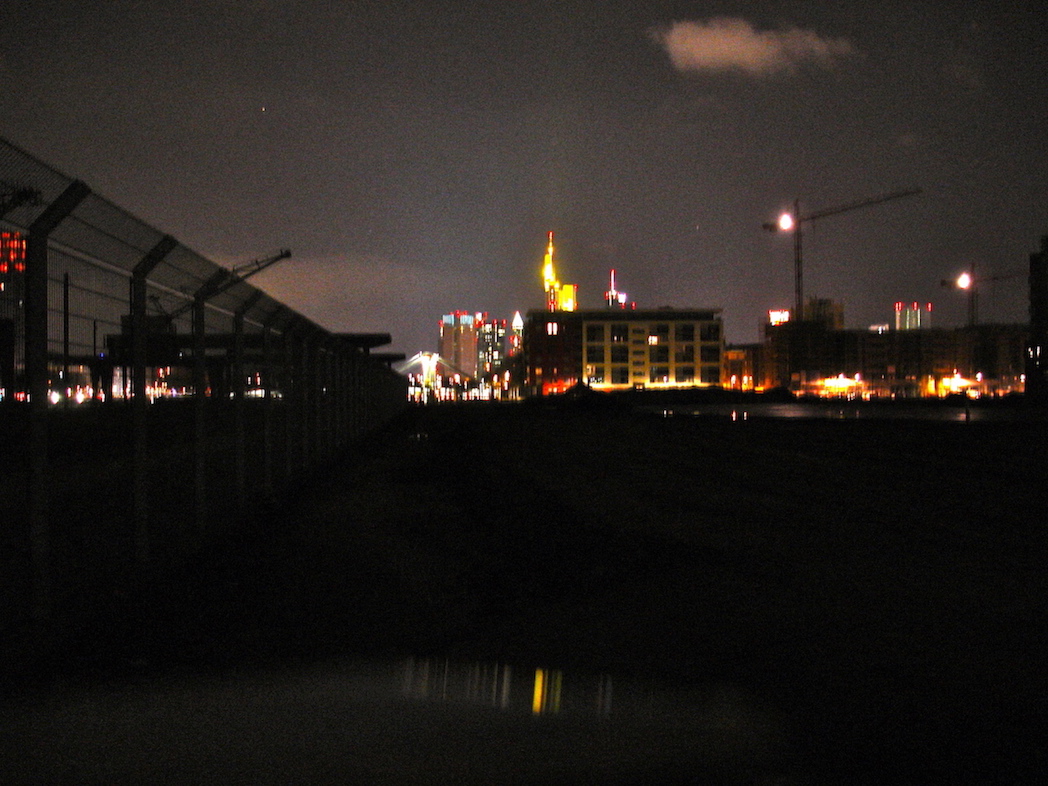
pixel 145 391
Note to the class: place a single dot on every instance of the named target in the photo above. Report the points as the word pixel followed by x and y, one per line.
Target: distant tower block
pixel 458 341
pixel 826 312
pixel 912 316
pixel 491 342
pixel 516 336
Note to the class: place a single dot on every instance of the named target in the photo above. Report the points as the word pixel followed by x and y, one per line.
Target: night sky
pixel 413 155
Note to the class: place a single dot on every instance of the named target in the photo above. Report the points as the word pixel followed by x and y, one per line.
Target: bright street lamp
pixel 970 284
pixel 791 222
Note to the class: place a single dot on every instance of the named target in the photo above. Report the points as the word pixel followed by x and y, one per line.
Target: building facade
pixel 491 343
pixel 12 275
pixel 912 316
pixel 809 358
pixel 458 341
pixel 621 349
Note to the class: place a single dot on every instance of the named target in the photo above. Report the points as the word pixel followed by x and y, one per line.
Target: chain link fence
pixel 148 396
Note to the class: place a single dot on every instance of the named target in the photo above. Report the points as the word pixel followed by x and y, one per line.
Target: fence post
pixel 268 405
pixel 200 441
pixel 307 399
pixel 65 336
pixel 238 387
pixel 292 386
pixel 37 374
pixel 139 428
pixel 340 394
pixel 327 392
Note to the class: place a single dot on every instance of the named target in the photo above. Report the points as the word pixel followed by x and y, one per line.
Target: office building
pixel 491 343
pixel 458 341
pixel 912 316
pixel 622 349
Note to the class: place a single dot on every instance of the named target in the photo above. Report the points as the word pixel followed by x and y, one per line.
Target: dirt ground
pixel 874 589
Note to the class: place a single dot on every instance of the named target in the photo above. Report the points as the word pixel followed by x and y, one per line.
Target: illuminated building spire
pixel 549 277
pixel 559 297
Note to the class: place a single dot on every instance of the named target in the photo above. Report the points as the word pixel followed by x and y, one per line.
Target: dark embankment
pixel 878 585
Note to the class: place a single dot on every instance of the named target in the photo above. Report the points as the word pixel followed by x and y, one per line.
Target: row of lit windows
pixel 681 375
pixel 658 333
pixel 658 353
pixel 683 332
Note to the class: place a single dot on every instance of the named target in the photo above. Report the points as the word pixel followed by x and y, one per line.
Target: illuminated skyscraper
pixel 458 341
pixel 912 316
pixel 491 342
pixel 471 342
pixel 559 297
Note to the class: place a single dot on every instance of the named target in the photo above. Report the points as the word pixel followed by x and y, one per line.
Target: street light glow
pixel 785 222
pixel 964 281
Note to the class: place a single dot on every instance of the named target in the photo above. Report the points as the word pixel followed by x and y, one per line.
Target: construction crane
pixel 224 279
pixel 249 269
pixel 792 222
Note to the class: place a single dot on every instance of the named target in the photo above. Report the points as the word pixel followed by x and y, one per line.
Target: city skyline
pixel 413 157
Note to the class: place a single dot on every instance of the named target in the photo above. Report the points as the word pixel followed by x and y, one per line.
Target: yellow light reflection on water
pixel 538 696
pixel 546 695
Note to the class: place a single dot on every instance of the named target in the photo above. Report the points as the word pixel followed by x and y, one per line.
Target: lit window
pixel 552 328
